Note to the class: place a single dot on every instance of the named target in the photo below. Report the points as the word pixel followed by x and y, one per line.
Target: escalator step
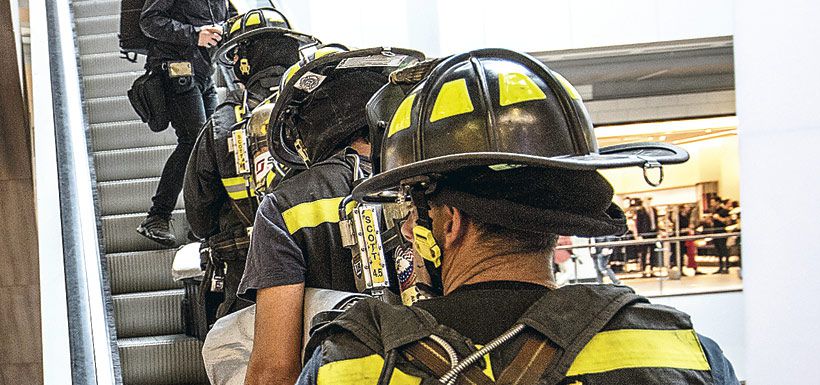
pixel 169 359
pixel 97 25
pixel 128 135
pixel 93 8
pixel 110 109
pixel 107 85
pixel 136 163
pixel 139 271
pixel 108 63
pixel 120 232
pixel 128 196
pixel 149 313
pixel 100 43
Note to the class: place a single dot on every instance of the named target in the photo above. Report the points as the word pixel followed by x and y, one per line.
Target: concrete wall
pixel 777 82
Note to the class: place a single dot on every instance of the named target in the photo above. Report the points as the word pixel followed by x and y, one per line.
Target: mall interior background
pixel 761 154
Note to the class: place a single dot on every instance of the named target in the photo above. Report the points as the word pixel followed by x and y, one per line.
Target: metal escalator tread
pixel 160 360
pixel 108 63
pixel 134 163
pixel 128 134
pixel 148 313
pixel 99 43
pixel 128 196
pixel 120 234
pixel 107 85
pixel 92 8
pixel 96 25
pixel 128 159
pixel 139 271
pixel 110 109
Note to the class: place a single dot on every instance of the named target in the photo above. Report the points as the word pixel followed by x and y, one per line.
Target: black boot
pixel 157 229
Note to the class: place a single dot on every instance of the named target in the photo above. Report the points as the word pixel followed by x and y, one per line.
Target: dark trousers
pixel 722 252
pixel 191 102
pixel 648 255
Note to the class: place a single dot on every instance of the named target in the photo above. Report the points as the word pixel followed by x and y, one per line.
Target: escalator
pixel 128 160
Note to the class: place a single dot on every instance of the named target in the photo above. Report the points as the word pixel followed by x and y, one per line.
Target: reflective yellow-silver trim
pixel 253 19
pixel 364 370
pixel 315 213
pixel 402 119
pixel 573 93
pixel 515 87
pixel 453 99
pixel 321 52
pixel 292 70
pixel 236 188
pixel 640 348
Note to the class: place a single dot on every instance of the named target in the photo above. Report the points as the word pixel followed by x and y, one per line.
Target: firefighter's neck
pixel 469 259
pixel 361 146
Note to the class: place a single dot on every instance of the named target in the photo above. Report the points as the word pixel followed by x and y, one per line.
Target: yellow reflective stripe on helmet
pixel 453 99
pixel 253 19
pixel 315 213
pixel 292 70
pixel 236 188
pixel 640 348
pixel 573 93
pixel 365 370
pixel 401 119
pixel 325 51
pixel 236 25
pixel 515 87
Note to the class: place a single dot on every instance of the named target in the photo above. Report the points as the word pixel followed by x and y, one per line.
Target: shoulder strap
pixel 431 356
pixel 531 362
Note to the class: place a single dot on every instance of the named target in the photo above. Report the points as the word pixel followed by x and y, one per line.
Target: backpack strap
pixel 432 357
pixel 536 354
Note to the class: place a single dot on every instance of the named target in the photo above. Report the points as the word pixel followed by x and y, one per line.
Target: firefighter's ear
pixel 451 223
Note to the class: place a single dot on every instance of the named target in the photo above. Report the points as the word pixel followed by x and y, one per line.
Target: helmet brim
pixel 222 54
pixel 618 156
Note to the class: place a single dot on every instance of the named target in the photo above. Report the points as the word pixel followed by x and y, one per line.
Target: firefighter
pixel 495 155
pixel 223 174
pixel 318 125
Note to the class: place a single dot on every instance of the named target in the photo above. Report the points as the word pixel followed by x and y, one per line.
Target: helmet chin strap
pixel 423 241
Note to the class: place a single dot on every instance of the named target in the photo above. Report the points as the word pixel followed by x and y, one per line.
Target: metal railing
pixel 651 241
pixel 77 331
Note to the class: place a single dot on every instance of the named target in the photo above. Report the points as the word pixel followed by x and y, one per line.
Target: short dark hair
pixel 510 240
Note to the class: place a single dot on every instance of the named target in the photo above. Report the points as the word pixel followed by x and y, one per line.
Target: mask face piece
pixel 425 245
